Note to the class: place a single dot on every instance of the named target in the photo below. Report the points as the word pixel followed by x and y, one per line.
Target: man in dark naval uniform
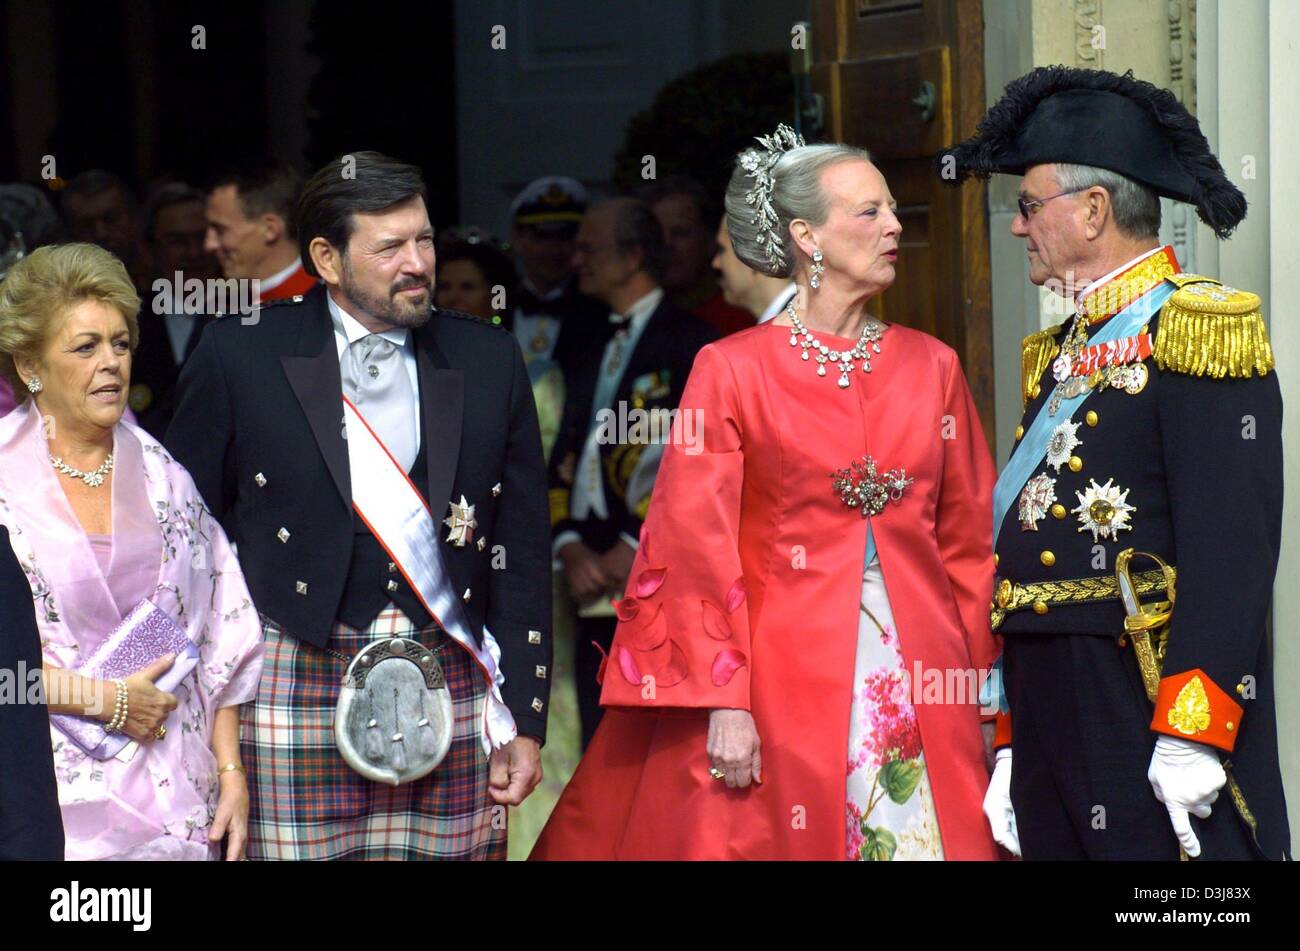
pixel 1151 432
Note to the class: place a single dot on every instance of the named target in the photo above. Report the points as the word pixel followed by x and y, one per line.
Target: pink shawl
pixel 166 546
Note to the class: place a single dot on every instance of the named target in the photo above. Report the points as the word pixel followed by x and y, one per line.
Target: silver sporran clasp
pixel 393 723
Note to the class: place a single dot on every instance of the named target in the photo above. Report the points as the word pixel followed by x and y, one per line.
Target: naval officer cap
pixel 553 203
pixel 1094 117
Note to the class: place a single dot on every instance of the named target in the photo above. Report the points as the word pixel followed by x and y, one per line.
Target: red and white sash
pixel 399 518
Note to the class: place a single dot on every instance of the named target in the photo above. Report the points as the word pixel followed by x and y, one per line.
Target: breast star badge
pixel 1062 444
pixel 1035 498
pixel 461 523
pixel 1102 510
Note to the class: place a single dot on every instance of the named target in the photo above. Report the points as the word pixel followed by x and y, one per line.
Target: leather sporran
pixel 393 723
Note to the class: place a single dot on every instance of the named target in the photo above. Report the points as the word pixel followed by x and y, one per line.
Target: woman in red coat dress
pixel 794 677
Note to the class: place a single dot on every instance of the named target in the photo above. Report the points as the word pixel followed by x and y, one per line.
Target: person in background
pixel 27 221
pixel 600 483
pixel 761 294
pixel 98 208
pixel 473 276
pixel 105 523
pixel 685 212
pixel 548 314
pixel 31 827
pixel 174 225
pixel 251 232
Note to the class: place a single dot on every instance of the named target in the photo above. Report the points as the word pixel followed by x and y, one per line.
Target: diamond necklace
pixel 94 479
pixel 871 334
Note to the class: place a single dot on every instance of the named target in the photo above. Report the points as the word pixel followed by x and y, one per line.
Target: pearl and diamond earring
pixel 817 269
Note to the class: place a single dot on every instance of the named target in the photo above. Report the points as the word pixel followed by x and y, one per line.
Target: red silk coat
pixel 745 594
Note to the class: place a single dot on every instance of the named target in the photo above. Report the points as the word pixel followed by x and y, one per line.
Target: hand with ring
pixel 734 749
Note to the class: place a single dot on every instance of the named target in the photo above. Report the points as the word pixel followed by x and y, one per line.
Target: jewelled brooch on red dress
pixel 861 486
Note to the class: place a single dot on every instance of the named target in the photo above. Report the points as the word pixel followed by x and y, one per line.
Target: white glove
pixel 997 804
pixel 1186 777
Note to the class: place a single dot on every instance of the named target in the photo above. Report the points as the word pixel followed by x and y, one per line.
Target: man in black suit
pixel 31 826
pixel 603 464
pixel 175 224
pixel 261 425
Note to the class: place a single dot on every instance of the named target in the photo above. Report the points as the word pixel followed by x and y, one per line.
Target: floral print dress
pixel 890 809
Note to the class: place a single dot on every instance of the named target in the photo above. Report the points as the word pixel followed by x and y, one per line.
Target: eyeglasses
pixel 1029 205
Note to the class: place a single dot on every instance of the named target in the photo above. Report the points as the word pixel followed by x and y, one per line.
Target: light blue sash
pixel 1033 447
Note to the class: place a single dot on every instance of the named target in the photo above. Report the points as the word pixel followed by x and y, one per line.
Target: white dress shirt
pixel 778 302
pixel 278 278
pixel 348 329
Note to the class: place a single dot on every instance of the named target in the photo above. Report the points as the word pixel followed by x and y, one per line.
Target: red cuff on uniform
pixel 1001 730
pixel 1191 705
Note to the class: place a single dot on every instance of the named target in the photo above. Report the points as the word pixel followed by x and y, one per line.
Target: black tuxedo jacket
pixel 584 323
pixel 154 372
pixel 31 826
pixel 258 424
pixel 655 377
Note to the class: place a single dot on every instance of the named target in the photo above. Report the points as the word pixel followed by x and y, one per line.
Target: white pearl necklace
pixel 867 344
pixel 94 478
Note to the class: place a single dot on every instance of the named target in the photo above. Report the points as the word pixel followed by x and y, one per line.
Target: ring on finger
pixel 717 773
pixel 160 733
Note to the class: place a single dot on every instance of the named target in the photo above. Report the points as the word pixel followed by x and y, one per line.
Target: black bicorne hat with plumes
pixel 1093 117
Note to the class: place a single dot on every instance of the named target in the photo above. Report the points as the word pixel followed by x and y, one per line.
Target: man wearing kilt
pixel 378 464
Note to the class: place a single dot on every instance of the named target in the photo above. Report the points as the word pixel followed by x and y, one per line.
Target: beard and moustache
pixel 392 309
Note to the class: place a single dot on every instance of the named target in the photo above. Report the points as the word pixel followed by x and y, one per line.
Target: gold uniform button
pixel 996 559
pixel 1047 558
pixel 466 594
pixel 534 637
pixel 1229 726
pixel 1020 432
pixel 541 671
pixel 1241 689
pixel 392 585
pixel 537 704
pixel 1040 607
pixel 1091 418
pixel 300 587
pixel 283 535
pixel 260 480
pixel 1076 464
pixel 482 543
pixel 1058 510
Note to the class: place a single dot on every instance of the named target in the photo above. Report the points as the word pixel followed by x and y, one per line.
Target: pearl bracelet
pixel 120 708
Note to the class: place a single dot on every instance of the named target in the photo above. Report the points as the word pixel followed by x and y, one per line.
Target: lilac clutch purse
pixel 145 634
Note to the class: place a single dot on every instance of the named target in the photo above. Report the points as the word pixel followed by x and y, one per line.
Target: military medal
pixel 1035 498
pixel 862 486
pixel 1062 444
pixel 1102 510
pixel 461 523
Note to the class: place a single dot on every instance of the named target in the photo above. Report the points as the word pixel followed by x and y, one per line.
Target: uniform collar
pixel 275 280
pixel 1112 293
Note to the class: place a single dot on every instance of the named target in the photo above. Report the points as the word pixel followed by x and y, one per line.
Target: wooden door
pixel 903 79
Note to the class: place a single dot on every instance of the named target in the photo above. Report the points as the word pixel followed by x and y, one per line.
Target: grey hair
pixel 796 193
pixel 1136 207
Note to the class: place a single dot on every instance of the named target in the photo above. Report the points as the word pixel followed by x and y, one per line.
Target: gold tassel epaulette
pixel 1209 329
pixel 1037 352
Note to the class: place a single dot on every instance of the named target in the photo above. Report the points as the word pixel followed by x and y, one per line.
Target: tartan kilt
pixel 307 803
